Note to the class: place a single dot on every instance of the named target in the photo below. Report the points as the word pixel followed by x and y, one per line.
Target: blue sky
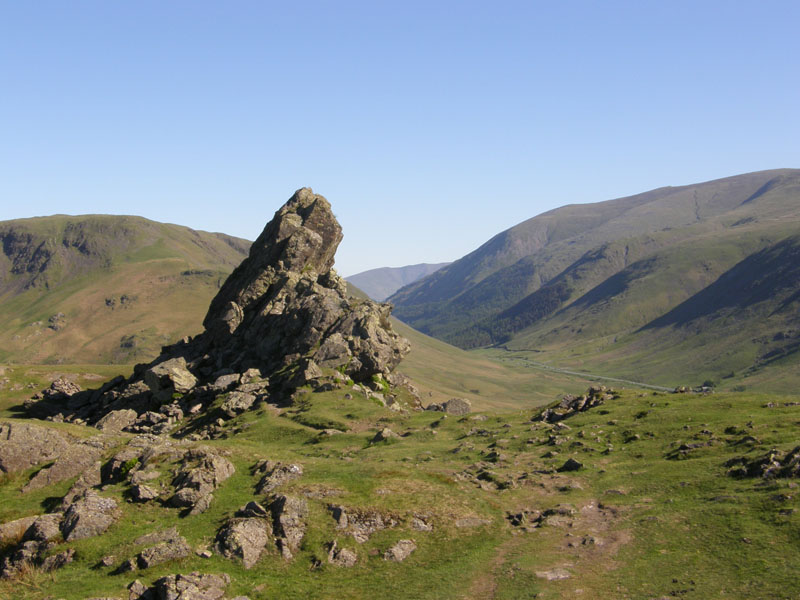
pixel 430 126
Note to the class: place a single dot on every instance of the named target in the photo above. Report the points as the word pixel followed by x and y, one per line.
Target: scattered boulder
pixel 200 474
pixel 171 548
pixel 168 377
pixel 341 557
pixel 775 464
pixel 23 446
pixel 52 563
pixel 243 538
pixel 14 530
pixel 236 403
pixel 400 551
pixel 570 465
pixel 384 435
pixel 276 474
pixel 22 557
pixel 361 523
pixel 45 528
pixel 88 516
pixel 571 405
pixel 454 406
pixel 289 516
pixel 73 461
pixel 195 586
pixel 117 420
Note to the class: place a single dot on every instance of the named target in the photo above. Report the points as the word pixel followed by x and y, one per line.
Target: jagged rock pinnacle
pixel 280 319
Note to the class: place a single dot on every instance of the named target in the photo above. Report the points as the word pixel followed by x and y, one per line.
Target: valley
pixel 279 434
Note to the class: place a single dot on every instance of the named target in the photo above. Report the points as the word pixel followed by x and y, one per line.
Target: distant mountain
pixel 102 288
pixel 381 283
pixel 693 281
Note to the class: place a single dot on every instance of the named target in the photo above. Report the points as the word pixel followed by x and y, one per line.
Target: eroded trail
pixel 553 548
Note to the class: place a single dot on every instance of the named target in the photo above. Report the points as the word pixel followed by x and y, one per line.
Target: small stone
pixel 400 551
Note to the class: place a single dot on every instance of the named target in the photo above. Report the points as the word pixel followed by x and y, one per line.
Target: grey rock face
pixel 172 548
pixel 237 403
pixel 243 538
pixel 201 473
pixel 276 474
pixel 45 528
pixel 361 524
pixel 454 406
pixel 400 551
pixel 195 586
pixel 289 516
pixel 23 446
pixel 341 557
pixel 286 300
pixel 73 461
pixel 117 420
pixel 170 376
pixel 88 516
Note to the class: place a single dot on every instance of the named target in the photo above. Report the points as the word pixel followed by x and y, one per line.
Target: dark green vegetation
pixel 650 514
pixel 381 283
pixel 675 286
pixel 100 289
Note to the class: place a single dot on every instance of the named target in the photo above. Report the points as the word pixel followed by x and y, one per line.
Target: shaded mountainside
pixel 381 283
pixel 103 288
pixel 619 280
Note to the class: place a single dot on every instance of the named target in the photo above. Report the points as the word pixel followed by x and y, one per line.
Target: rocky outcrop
pixel 23 446
pixel 289 516
pixel 195 586
pixel 276 474
pixel 454 406
pixel 244 538
pixel 88 516
pixel 281 319
pixel 164 546
pixel 341 557
pixel 775 464
pixel 361 523
pixel 74 461
pixel 400 551
pixel 201 473
pixel 571 405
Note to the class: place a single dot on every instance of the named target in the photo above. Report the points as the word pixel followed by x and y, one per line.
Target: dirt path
pixel 484 585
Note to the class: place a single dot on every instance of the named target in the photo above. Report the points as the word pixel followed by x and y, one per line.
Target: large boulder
pixel 243 538
pixel 23 445
pixel 289 515
pixel 89 516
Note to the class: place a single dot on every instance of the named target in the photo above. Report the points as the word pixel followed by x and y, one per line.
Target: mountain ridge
pixel 606 246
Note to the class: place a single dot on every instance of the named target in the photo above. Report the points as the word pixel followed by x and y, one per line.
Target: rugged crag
pixel 281 321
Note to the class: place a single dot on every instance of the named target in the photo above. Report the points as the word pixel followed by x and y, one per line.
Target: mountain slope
pixel 381 283
pixel 608 270
pixel 102 288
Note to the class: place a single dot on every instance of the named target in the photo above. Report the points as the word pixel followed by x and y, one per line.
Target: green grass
pixel 682 520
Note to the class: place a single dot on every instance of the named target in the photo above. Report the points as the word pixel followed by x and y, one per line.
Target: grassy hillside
pixel 613 287
pixel 650 513
pixel 101 288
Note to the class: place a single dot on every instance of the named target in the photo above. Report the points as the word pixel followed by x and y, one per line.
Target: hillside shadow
pixel 769 274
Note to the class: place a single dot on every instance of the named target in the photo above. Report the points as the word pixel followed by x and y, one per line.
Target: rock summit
pixel 281 321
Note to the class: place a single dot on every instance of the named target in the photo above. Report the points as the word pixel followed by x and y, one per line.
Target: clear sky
pixel 430 126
